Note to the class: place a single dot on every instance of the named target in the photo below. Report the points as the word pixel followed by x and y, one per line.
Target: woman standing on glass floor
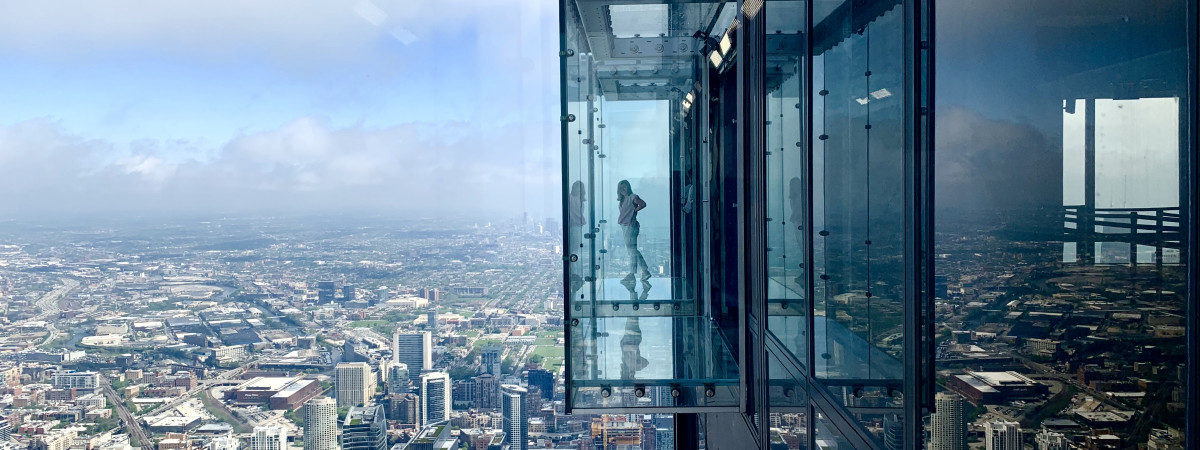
pixel 630 204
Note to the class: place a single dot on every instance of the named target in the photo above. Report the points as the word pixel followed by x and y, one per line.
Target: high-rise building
pixel 5 430
pixel 326 291
pixel 349 293
pixel 948 424
pixel 268 438
pixel 355 383
pixel 436 397
pixel 365 428
pixel 1052 440
pixel 398 380
pixel 544 380
pixel 320 424
pixel 414 350
pixel 1002 435
pixel 515 415
pixel 487 391
pixel 490 360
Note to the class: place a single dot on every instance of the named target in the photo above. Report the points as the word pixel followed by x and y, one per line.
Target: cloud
pixel 985 163
pixel 307 165
pixel 297 32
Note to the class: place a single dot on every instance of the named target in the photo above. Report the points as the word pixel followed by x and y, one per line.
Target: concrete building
pixel 487 391
pixel 515 415
pixel 995 387
pixel 76 380
pixel 435 397
pixel 405 409
pixel 355 383
pixel 399 382
pixel 320 424
pixel 268 438
pixel 278 393
pixel 365 428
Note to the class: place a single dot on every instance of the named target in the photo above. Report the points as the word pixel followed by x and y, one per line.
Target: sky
pixel 274 106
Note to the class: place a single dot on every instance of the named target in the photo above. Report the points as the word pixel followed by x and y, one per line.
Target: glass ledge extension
pixel 650 362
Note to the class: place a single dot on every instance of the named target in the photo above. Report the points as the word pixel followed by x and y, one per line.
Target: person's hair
pixel 577 189
pixel 623 190
pixel 796 187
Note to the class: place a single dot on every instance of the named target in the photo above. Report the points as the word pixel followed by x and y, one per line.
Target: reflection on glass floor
pixel 642 362
pixel 841 354
pixel 617 297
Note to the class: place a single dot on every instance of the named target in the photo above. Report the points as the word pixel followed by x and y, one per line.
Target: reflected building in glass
pixel 814 224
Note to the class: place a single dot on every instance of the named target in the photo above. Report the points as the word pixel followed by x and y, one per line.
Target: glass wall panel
pixel 787 189
pixel 636 112
pixel 1061 274
pixel 858 181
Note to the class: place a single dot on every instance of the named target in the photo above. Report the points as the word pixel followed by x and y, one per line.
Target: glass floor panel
pixel 640 362
pixel 617 297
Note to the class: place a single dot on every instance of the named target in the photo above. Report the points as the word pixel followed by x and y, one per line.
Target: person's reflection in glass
pixel 630 204
pixel 631 349
pixel 796 220
pixel 575 223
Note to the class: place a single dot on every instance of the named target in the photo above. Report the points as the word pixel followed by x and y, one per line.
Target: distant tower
pixel 414 350
pixel 544 380
pixel 1001 435
pixel 365 428
pixel 949 426
pixel 320 424
pixel 431 319
pixel 355 383
pixel 268 438
pixel 326 291
pixel 348 293
pixel 516 416
pixel 435 397
pixel 489 360
pixel 398 380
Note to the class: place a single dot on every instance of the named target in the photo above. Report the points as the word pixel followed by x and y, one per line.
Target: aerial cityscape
pixel 278 333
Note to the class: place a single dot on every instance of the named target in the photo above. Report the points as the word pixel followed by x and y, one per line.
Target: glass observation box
pixel 639 94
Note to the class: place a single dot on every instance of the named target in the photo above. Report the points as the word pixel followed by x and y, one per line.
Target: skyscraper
pixel 320 424
pixel 1002 435
pixel 435 397
pixel 949 426
pixel 414 350
pixel 515 415
pixel 490 360
pixel 348 293
pixel 365 428
pixel 268 438
pixel 355 383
